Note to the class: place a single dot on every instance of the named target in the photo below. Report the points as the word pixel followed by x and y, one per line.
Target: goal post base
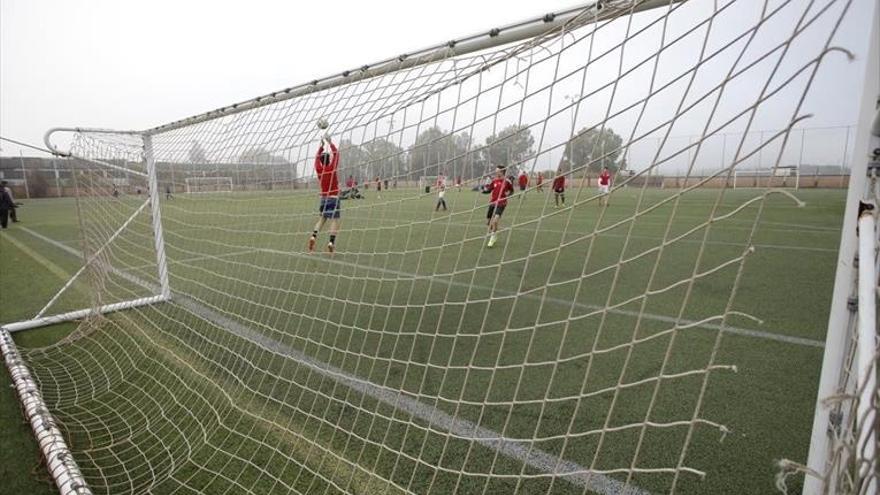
pixel 62 467
pixel 82 313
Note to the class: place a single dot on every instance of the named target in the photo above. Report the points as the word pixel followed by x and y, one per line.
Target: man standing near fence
pixel 6 204
pixel 13 215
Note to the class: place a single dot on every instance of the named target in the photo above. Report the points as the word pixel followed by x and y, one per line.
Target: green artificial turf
pixel 165 397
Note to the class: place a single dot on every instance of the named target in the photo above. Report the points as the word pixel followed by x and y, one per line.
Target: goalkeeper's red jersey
pixel 500 189
pixel 327 173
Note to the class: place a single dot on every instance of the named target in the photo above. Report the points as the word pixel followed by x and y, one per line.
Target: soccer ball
pixel 322 123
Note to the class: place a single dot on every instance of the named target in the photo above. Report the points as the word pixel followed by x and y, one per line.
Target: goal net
pixel 590 350
pixel 208 184
pixel 432 181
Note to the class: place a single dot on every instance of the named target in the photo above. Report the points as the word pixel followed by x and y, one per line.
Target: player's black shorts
pixel 522 187
pixel 559 190
pixel 495 210
pixel 329 207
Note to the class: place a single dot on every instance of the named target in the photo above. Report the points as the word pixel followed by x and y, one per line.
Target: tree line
pixel 439 152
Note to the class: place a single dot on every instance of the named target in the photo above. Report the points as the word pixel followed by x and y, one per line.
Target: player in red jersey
pixel 559 189
pixel 523 180
pixel 326 166
pixel 539 182
pixel 604 185
pixel 500 189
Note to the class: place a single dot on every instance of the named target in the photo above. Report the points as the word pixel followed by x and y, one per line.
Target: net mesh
pixel 577 355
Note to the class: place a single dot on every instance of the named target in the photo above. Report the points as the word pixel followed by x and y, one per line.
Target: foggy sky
pixel 135 65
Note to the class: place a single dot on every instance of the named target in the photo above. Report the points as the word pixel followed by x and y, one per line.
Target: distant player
pixel 523 180
pixel 115 191
pixel 559 189
pixel 458 183
pixel 539 182
pixel 604 186
pixel 500 189
pixel 168 192
pixel 378 187
pixel 441 194
pixel 326 165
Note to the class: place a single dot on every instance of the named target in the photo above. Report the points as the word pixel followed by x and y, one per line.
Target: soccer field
pixel 588 335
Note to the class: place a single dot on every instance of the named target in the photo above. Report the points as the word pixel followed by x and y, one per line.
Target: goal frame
pixel 843 314
pixel 511 33
pixel 220 180
pixel 769 173
pixel 62 466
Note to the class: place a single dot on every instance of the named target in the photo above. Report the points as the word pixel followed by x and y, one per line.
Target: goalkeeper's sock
pixel 312 239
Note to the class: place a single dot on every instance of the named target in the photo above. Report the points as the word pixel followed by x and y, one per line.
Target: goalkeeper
pixel 326 165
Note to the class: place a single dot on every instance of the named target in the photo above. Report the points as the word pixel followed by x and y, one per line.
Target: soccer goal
pixel 593 349
pixel 195 185
pixel 428 181
pixel 780 177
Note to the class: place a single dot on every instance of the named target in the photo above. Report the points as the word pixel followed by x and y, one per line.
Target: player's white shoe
pixel 492 240
pixel 312 244
pixel 330 247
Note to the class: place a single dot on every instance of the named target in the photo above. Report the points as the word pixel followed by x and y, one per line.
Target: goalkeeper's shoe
pixel 312 244
pixel 492 240
pixel 330 247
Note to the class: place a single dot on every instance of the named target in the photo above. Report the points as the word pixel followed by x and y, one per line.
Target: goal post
pixel 842 456
pixel 428 181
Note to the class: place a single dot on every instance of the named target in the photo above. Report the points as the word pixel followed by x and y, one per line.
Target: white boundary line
pixel 746 332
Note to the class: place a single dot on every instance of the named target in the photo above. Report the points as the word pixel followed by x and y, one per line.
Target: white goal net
pixel 589 350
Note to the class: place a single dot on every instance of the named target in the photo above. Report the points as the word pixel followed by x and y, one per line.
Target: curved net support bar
pixel 59 461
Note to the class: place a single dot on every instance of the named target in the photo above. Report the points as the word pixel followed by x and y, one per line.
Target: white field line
pixel 746 332
pixel 524 452
pixel 693 241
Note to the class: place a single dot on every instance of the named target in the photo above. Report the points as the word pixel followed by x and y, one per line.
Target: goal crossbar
pixel 511 33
